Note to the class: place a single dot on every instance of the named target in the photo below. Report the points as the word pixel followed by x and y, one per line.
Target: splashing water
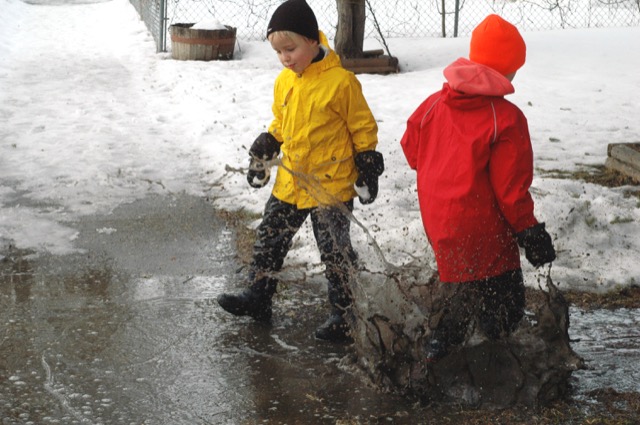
pixel 325 199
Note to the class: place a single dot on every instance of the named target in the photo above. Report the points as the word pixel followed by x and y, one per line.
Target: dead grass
pixel 628 297
pixel 244 236
pixel 598 174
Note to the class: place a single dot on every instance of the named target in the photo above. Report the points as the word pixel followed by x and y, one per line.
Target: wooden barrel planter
pixel 201 44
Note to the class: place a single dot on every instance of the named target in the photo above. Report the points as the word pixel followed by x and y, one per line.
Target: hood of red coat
pixel 472 78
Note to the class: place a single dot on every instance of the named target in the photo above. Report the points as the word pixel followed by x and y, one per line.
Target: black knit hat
pixel 295 16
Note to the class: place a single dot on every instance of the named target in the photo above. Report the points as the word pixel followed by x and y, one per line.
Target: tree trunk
pixel 350 32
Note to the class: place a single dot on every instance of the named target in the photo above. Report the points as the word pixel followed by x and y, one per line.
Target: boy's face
pixel 294 52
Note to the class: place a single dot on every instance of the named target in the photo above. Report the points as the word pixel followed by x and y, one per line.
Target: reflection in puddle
pixel 609 340
pixel 104 348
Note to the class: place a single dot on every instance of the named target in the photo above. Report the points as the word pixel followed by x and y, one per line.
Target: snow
pixel 211 25
pixel 92 118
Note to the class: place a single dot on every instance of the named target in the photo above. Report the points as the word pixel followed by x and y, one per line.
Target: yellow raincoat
pixel 322 120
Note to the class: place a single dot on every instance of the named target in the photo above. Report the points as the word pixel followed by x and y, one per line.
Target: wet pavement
pixel 128 332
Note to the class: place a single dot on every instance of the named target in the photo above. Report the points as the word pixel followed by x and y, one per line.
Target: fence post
pixel 444 19
pixel 162 27
pixel 456 14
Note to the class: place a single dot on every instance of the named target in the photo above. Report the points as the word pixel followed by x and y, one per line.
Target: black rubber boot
pixel 335 329
pixel 254 301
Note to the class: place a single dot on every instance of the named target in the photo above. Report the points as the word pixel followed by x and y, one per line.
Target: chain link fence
pixel 394 18
pixel 154 15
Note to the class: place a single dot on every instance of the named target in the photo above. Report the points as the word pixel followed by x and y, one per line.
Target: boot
pixel 334 329
pixel 255 301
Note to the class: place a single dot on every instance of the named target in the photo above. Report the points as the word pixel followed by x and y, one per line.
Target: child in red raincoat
pixel 472 153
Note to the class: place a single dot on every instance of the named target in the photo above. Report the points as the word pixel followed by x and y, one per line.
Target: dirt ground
pixel 600 407
pixel 601 175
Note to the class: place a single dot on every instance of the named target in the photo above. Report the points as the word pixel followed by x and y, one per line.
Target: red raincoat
pixel 472 153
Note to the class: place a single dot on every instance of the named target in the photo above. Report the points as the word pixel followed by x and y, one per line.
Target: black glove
pixel 537 244
pixel 370 166
pixel 264 148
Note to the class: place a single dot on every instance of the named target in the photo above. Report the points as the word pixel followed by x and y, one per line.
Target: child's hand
pixel 537 244
pixel 370 165
pixel 265 147
pixel 258 175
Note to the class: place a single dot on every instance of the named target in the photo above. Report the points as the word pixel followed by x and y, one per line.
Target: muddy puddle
pixel 610 341
pixel 128 332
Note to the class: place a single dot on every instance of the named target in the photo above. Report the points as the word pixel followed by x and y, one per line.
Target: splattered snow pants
pixel 495 304
pixel 331 229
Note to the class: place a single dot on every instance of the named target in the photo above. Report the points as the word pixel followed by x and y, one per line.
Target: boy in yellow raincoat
pixel 327 136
